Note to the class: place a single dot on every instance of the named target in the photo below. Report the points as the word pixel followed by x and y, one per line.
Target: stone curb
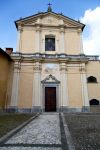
pixel 68 135
pixel 15 130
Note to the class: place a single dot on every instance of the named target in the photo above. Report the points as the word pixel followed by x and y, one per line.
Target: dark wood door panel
pixel 50 98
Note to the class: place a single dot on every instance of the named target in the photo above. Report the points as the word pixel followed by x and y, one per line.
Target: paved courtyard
pixel 52 131
pixel 43 133
pixel 84 130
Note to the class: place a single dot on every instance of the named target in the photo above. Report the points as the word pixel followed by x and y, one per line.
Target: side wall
pixel 5 80
pixel 93 69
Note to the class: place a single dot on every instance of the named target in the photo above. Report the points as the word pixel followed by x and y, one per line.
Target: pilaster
pixel 15 85
pixel 19 40
pixel 81 42
pixel 62 40
pixel 64 85
pixel 38 39
pixel 84 87
pixel 37 86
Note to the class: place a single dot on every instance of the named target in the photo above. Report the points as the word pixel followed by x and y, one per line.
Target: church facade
pixel 51 72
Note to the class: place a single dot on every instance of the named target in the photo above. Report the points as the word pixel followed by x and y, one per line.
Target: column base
pixel 36 109
pixel 12 109
pixel 85 109
pixel 24 110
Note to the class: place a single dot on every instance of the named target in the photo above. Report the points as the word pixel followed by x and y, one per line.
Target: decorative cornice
pixel 43 14
pixel 62 57
pixel 50 79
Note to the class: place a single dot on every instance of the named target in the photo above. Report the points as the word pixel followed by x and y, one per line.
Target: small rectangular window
pixel 49 44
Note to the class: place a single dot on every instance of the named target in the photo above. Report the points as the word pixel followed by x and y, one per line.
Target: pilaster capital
pixel 62 29
pixel 63 67
pixel 20 28
pixel 82 69
pixel 17 66
pixel 79 31
pixel 37 67
pixel 38 28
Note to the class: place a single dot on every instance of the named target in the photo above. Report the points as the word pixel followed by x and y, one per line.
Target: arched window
pixel 49 43
pixel 91 79
pixel 94 102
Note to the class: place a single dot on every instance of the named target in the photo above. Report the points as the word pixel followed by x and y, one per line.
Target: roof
pixel 5 54
pixel 41 14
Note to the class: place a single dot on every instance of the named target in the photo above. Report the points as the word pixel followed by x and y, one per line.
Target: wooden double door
pixel 50 99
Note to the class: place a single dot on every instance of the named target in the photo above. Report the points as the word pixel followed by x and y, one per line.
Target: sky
pixel 87 11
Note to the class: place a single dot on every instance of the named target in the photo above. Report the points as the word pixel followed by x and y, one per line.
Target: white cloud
pixel 91 41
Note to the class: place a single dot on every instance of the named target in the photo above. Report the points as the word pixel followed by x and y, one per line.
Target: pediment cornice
pixel 50 79
pixel 47 18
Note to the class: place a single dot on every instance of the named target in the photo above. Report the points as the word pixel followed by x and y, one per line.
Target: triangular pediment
pixel 49 18
pixel 50 79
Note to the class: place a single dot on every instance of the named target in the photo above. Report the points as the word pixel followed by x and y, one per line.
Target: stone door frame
pixel 50 81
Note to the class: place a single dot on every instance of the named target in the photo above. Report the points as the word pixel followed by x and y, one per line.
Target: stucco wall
pixel 74 87
pixel 27 40
pixel 5 80
pixel 25 86
pixel 32 39
pixel 93 69
pixel 72 42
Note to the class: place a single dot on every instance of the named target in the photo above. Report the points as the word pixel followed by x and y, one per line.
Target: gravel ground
pixel 43 130
pixel 43 133
pixel 84 130
pixel 9 121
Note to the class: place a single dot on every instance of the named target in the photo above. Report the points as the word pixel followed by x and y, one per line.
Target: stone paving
pixel 84 129
pixel 43 133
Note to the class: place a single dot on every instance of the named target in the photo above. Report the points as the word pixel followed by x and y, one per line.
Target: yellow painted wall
pixel 74 87
pixel 93 69
pixel 5 80
pixel 72 42
pixel 25 86
pixel 28 40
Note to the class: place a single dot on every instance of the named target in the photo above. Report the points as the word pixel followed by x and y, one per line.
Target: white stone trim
pixel 64 85
pixel 15 87
pixel 19 40
pixel 62 41
pixel 36 100
pixel 84 86
pixel 38 40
